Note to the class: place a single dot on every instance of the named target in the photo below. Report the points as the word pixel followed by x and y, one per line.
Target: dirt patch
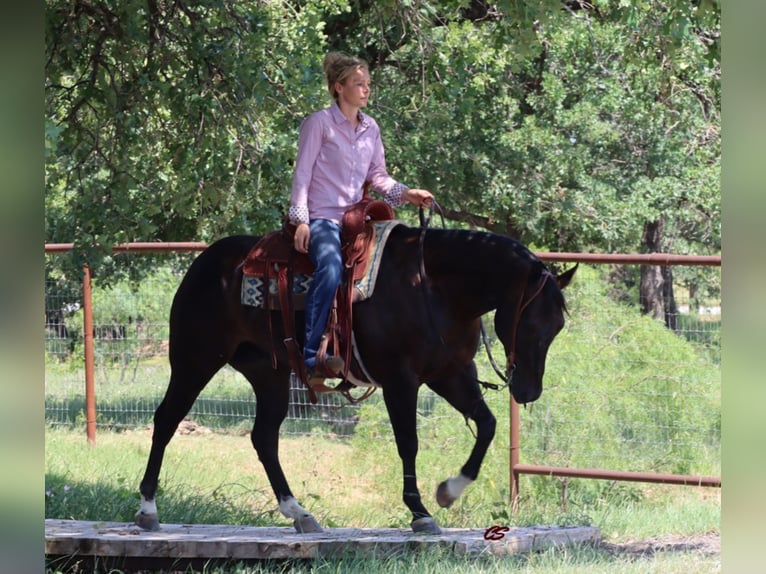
pixel 185 427
pixel 190 427
pixel 708 544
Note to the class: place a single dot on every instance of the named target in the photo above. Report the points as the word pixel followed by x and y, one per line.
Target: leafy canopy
pixel 568 124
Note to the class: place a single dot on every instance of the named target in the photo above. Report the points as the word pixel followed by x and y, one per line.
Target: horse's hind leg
pixel 463 393
pixel 187 379
pixel 272 393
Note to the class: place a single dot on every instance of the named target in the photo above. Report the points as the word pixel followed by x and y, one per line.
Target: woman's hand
pixel 301 241
pixel 419 197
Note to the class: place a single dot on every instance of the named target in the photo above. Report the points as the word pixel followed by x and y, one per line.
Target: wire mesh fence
pixel 628 392
pixel 622 390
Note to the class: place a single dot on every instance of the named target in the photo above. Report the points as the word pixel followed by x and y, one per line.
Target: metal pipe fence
pixel 626 397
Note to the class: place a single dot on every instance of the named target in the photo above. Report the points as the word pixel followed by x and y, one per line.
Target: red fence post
pixel 88 331
pixel 514 410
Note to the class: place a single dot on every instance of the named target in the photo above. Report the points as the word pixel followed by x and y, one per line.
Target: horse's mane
pixel 485 254
pixel 481 252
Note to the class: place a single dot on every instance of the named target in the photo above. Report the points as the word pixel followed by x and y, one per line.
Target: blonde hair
pixel 338 67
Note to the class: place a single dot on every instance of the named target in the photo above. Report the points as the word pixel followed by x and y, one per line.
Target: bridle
pixel 510 359
pixel 510 364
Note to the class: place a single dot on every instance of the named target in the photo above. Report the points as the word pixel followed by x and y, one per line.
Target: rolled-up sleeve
pixel 309 144
pixel 378 176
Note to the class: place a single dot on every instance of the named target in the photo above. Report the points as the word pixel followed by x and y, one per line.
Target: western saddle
pixel 274 257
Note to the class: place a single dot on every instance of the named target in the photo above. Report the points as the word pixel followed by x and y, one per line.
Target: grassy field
pixel 356 483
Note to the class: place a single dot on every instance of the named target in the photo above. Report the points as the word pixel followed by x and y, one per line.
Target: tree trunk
pixel 656 289
pixel 652 281
pixel 671 309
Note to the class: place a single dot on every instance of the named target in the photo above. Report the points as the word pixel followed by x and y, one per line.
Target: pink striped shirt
pixel 333 162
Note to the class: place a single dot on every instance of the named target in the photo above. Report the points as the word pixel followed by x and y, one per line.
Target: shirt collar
pixel 338 117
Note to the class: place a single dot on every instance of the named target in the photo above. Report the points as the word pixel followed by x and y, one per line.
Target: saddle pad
pixel 254 286
pixel 366 285
pixel 254 291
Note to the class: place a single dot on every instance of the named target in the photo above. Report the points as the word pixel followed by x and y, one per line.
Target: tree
pixel 585 143
pixel 570 125
pixel 171 120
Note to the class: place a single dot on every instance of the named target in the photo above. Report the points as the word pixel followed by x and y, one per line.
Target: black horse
pixel 421 325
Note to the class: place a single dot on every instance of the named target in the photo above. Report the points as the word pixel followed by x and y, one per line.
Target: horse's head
pixel 527 325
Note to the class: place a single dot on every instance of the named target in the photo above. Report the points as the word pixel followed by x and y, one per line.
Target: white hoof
pixel 451 489
pixel 303 521
pixel 443 497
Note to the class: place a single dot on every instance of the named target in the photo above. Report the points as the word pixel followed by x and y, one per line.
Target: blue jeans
pixel 325 254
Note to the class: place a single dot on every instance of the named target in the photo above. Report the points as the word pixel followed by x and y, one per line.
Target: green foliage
pixel 575 147
pixel 565 124
pixel 654 372
pixel 167 122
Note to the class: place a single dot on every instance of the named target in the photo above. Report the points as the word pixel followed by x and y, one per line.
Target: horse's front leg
pixel 463 393
pixel 401 402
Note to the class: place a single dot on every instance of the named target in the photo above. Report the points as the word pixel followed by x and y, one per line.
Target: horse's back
pixel 208 279
pixel 222 252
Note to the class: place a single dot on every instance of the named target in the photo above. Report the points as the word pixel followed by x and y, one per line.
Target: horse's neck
pixel 476 269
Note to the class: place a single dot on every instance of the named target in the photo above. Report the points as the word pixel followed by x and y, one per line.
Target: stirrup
pixel 330 366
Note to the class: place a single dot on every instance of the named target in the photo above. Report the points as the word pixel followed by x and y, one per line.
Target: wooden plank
pixel 207 541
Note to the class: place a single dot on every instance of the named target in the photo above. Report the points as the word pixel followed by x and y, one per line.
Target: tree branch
pixel 484 222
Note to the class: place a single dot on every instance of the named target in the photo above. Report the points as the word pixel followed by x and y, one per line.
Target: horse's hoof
pixel 425 525
pixel 443 497
pixel 147 521
pixel 306 525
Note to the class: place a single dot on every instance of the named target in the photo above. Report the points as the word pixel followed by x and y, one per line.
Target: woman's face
pixel 355 91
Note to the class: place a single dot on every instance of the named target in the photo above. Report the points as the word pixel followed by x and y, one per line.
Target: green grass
pixel 573 560
pixel 357 483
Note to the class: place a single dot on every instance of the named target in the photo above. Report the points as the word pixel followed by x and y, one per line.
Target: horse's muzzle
pixel 525 395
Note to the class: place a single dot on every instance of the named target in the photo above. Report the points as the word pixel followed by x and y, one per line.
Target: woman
pixel 339 149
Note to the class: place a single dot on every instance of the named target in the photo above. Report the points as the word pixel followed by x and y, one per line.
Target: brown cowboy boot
pixel 327 366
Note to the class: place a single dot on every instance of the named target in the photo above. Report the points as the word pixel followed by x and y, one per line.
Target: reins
pixel 503 376
pixel 425 222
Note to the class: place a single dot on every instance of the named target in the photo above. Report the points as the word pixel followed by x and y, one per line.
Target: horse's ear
pixel 564 278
